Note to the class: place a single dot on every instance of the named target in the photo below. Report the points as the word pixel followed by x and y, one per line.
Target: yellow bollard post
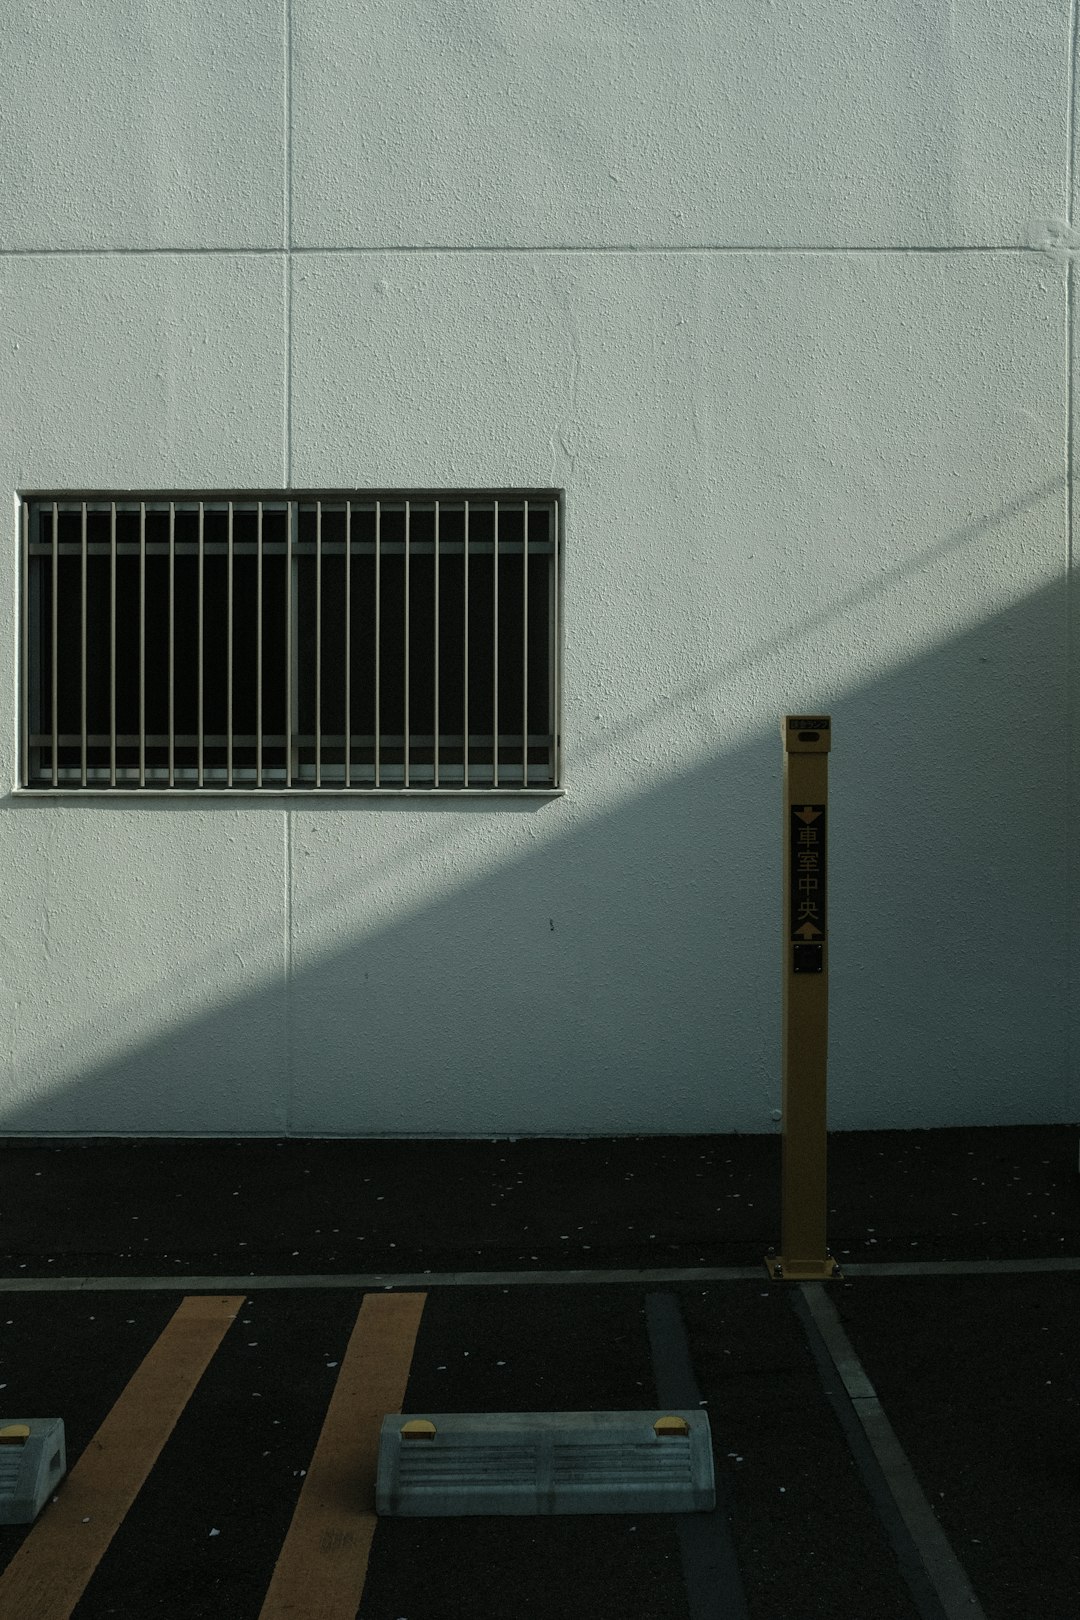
pixel 803 1255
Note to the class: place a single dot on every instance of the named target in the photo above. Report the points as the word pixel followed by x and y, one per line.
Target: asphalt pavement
pixel 975 1372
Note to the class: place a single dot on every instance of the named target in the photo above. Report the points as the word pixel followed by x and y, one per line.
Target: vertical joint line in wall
pixel 288 236
pixel 287 469
pixel 1072 942
pixel 1070 114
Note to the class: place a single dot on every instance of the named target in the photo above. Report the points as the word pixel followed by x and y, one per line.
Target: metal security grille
pixel 323 643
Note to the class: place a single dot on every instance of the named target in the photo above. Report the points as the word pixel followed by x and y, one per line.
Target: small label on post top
pixel 807 733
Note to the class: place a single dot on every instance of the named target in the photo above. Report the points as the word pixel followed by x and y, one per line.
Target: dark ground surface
pixel 977 1374
pixel 121 1206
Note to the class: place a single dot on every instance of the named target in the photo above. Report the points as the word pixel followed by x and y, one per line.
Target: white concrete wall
pixel 780 296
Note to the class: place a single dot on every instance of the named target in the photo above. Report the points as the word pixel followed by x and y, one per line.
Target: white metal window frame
pixel 144 788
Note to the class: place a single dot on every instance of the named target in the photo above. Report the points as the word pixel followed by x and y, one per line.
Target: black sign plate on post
pixel 808 887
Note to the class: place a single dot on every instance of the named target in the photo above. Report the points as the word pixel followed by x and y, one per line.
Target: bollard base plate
pixel 781 1270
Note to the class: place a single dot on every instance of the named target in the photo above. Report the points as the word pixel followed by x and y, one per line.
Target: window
pixel 323 643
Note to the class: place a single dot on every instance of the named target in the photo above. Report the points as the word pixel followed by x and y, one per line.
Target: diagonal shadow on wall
pixel 622 975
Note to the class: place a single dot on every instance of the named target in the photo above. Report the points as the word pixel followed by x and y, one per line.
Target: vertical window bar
pixel 435 664
pixel 172 643
pixel 229 655
pixel 378 636
pixel 112 644
pixel 465 667
pixel 33 685
pixel 553 650
pixel 318 643
pixel 405 754
pixel 525 647
pixel 258 644
pixel 55 615
pixel 495 654
pixel 348 643
pixel 24 696
pixel 292 580
pixel 142 643
pixel 202 542
pixel 84 774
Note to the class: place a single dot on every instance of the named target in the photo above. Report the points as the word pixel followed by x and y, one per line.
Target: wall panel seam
pixel 511 250
pixel 1071 1080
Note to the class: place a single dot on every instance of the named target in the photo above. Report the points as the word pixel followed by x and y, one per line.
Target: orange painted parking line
pixel 51 1569
pixel 322 1565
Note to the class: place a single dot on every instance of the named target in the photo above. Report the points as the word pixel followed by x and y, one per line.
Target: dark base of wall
pixel 116 1206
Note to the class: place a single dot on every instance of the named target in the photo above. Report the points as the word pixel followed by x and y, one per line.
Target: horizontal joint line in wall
pixel 673 249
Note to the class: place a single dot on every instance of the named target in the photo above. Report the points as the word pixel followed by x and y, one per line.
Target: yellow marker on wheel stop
pixel 670 1425
pixel 803 1254
pixel 418 1429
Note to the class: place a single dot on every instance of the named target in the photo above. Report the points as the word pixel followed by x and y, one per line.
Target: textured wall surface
pixel 781 298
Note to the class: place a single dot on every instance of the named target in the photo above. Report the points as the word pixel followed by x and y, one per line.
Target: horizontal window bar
pixel 301 548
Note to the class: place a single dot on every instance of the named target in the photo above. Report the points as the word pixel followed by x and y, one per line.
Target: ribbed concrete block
pixel 452 1464
pixel 32 1464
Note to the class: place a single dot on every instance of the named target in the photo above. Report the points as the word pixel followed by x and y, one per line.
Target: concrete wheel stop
pixel 33 1461
pixel 457 1463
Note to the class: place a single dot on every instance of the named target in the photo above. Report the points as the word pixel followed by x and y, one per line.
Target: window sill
pixel 198 794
